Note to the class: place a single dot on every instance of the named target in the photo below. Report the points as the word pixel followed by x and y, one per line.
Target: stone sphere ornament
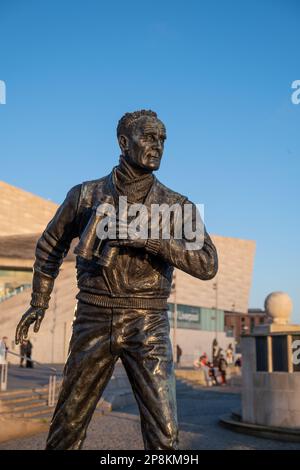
pixel 278 306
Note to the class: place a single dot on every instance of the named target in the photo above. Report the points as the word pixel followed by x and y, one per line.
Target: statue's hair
pixel 129 119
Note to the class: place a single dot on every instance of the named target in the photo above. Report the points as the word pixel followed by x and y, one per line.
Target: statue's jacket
pixel 140 278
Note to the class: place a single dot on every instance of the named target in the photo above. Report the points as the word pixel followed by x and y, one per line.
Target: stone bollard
pixel 271 368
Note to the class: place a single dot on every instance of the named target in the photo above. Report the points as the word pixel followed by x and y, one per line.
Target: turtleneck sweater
pixel 133 182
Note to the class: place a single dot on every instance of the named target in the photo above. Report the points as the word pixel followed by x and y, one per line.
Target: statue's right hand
pixel 32 315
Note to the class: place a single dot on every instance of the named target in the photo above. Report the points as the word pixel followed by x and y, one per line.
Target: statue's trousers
pixel 140 338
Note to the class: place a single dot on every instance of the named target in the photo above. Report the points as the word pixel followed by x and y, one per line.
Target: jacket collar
pixel 151 197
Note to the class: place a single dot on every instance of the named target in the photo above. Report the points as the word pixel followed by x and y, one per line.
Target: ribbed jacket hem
pixel 122 302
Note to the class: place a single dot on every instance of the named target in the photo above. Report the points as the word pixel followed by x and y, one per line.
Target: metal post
pixel 52 389
pixel 53 325
pixel 215 287
pixel 174 319
pixel 3 384
pixel 65 339
pixel 174 333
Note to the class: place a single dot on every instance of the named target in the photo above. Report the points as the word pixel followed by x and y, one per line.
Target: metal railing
pixel 3 377
pixel 52 377
pixel 14 292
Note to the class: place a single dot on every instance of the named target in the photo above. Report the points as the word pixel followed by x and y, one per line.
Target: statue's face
pixel 144 147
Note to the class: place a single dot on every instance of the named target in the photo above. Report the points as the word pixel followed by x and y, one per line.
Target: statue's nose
pixel 158 144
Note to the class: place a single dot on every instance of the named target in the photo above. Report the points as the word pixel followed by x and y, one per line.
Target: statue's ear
pixel 123 142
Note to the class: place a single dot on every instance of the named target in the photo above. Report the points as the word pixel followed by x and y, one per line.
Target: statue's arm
pixel 200 262
pixel 53 246
pixel 51 249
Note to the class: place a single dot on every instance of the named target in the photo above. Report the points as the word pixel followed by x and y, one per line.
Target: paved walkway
pixel 23 378
pixel 29 378
pixel 198 411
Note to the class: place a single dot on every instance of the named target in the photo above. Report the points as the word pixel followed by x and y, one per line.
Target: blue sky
pixel 219 75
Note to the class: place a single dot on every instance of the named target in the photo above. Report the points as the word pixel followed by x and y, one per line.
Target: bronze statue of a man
pixel 122 307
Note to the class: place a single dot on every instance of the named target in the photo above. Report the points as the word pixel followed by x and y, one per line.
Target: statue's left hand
pixel 32 315
pixel 133 241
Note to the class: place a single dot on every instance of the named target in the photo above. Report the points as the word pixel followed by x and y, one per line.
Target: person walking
pixel 178 355
pixel 229 354
pixel 23 349
pixel 212 374
pixel 3 350
pixel 222 368
pixel 203 364
pixel 29 347
pixel 3 362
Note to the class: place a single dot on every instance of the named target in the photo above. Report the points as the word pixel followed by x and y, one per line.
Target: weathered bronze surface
pixel 122 299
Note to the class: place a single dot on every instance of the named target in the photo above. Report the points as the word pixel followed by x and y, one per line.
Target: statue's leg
pixel 148 360
pixel 88 369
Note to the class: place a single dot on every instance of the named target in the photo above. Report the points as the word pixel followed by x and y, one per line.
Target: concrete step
pixel 39 409
pixel 26 398
pixel 23 399
pixel 32 403
pixel 26 391
pixel 119 397
pixel 104 406
pixel 24 407
pixel 22 392
pixel 38 412
pixel 26 403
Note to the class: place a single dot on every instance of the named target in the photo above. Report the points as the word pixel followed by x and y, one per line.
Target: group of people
pixel 215 371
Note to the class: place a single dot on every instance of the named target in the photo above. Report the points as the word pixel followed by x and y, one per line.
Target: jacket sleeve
pixel 53 246
pixel 201 261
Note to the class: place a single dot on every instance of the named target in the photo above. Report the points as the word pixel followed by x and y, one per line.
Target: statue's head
pixel 141 137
